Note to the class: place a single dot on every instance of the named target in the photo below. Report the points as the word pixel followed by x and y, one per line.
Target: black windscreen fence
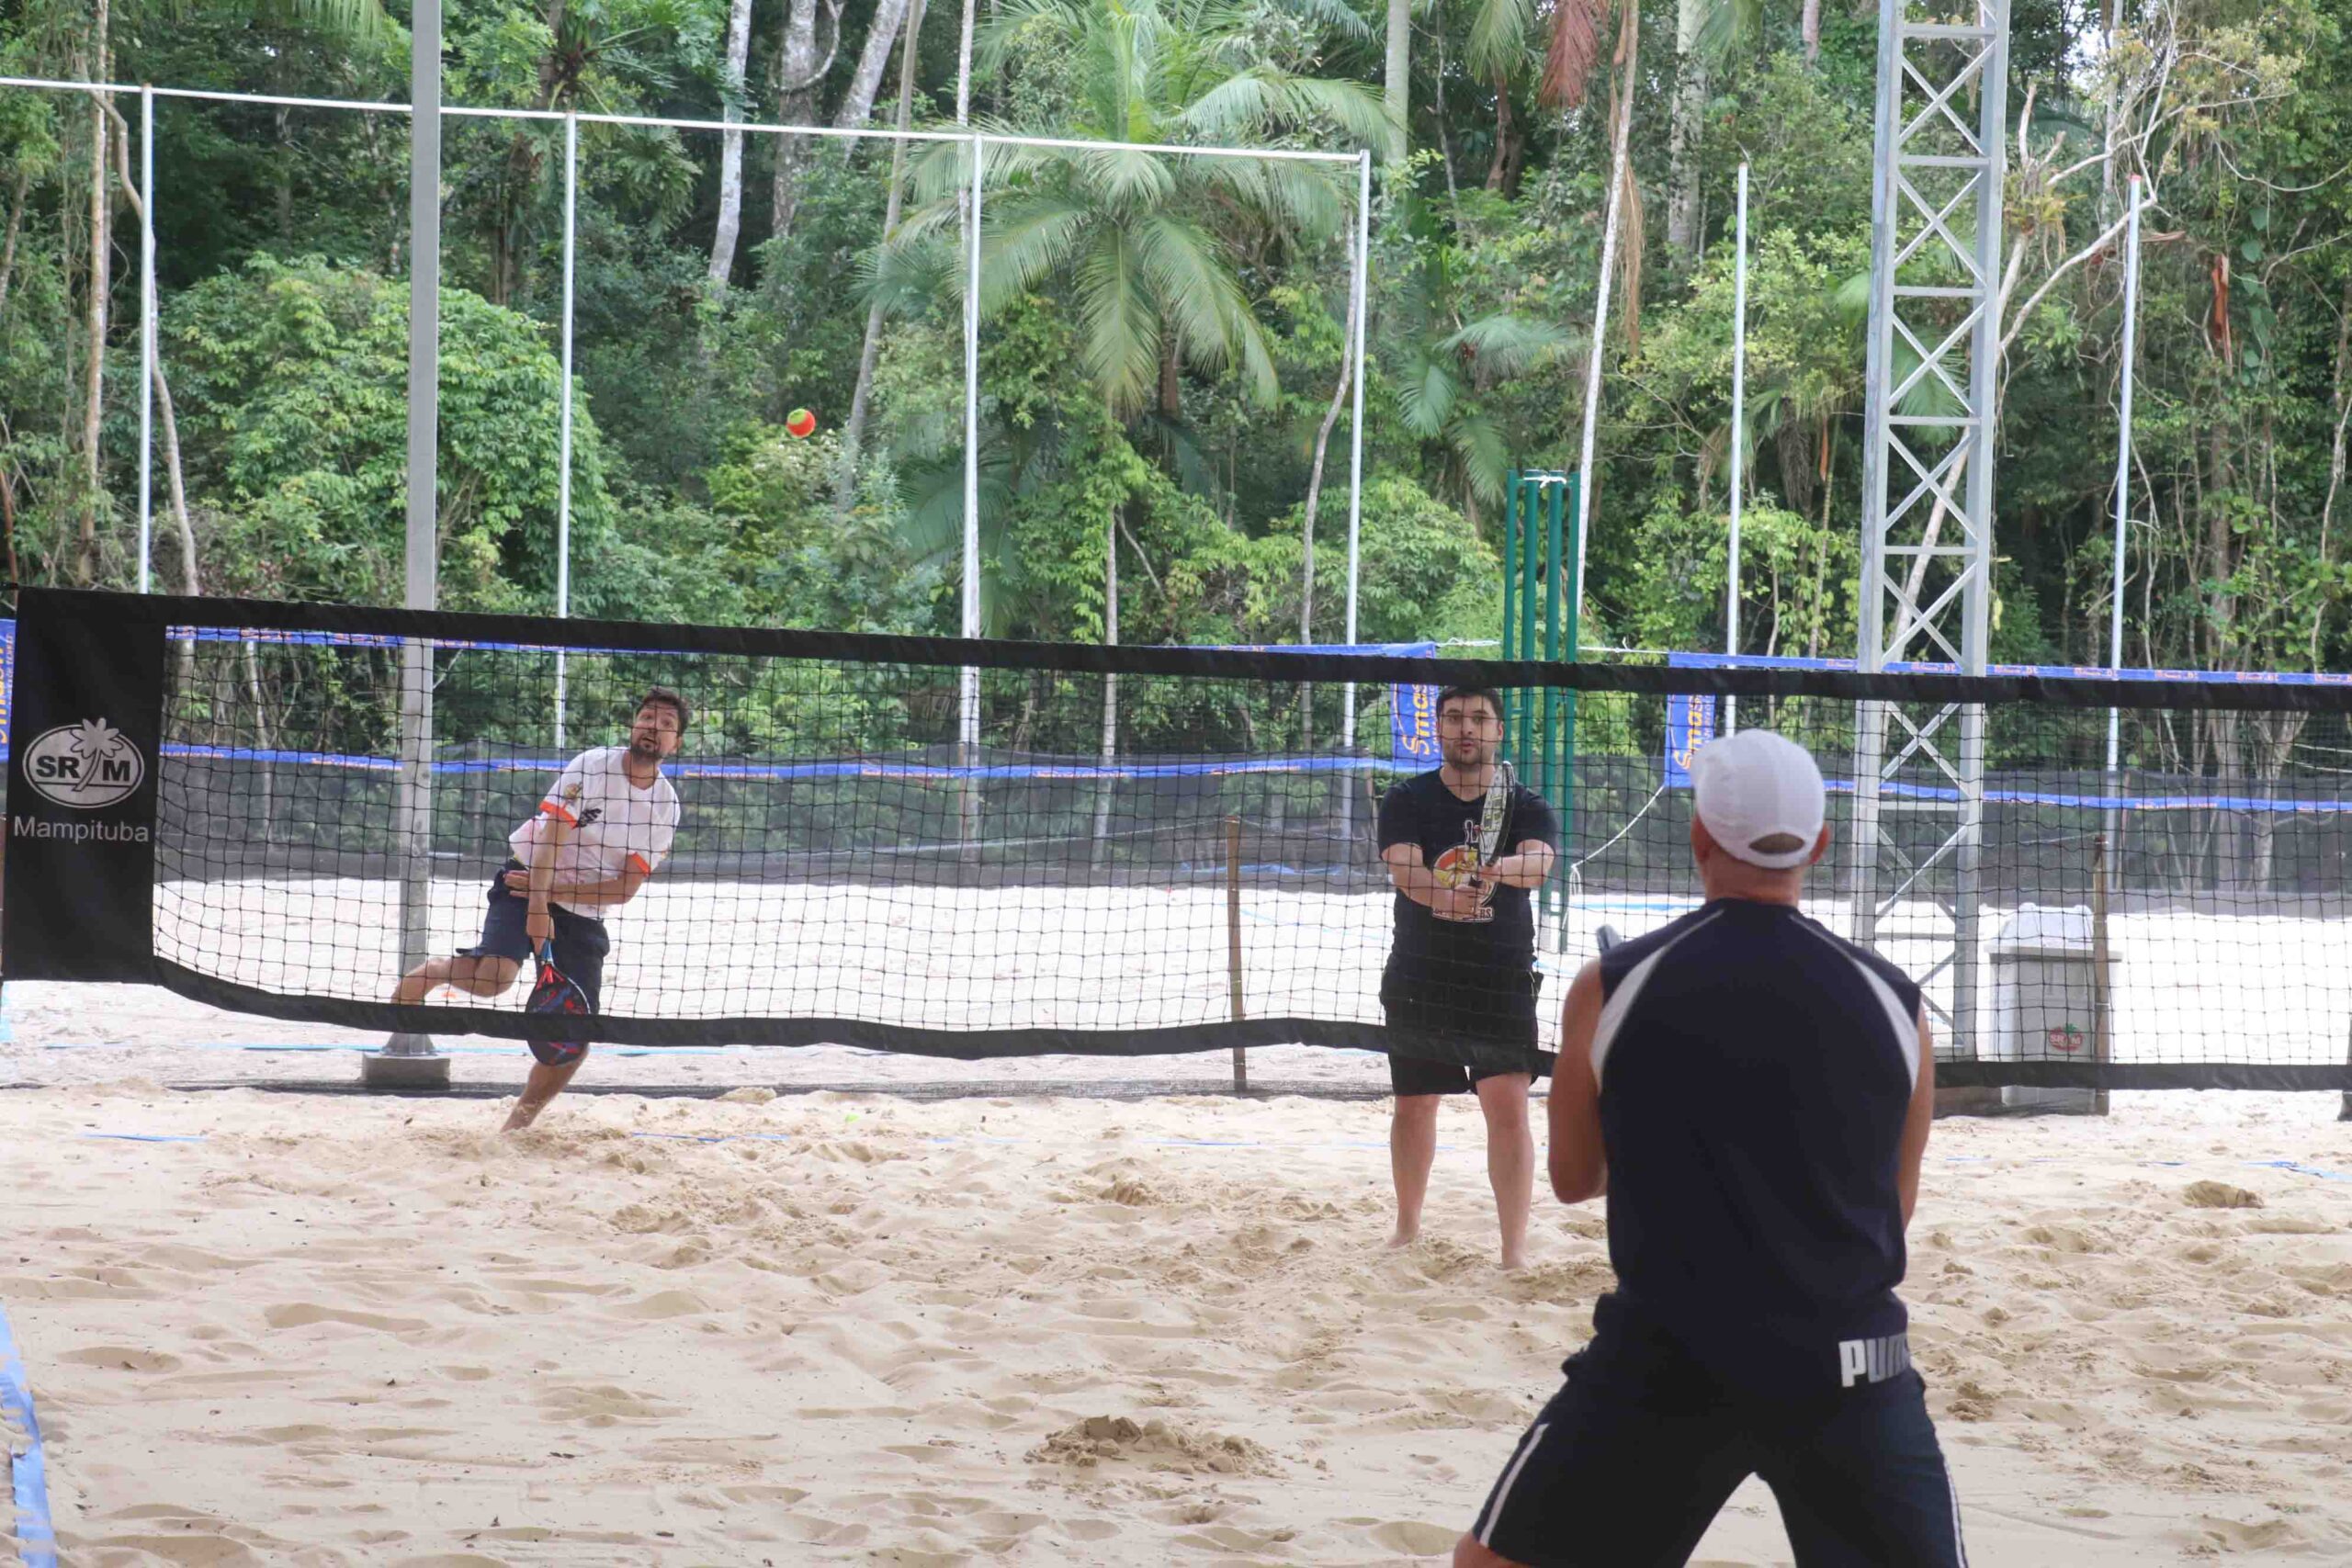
pixel 983 849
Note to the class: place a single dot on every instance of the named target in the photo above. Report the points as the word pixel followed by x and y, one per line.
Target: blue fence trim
pixel 29 1471
pixel 2045 672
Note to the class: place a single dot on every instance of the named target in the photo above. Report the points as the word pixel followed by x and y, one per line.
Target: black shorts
pixel 1492 1010
pixel 1617 1472
pixel 581 943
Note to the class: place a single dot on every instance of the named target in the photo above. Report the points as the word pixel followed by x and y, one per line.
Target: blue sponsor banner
pixel 1412 726
pixel 1690 723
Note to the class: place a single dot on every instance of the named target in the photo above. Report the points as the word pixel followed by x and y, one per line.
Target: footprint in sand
pixel 301 1315
pixel 123 1358
pixel 1414 1538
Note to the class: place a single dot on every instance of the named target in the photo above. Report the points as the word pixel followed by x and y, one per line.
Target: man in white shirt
pixel 598 834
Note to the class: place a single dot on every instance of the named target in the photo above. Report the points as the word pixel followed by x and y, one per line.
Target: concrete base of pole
pixel 407 1064
pixel 1970 1101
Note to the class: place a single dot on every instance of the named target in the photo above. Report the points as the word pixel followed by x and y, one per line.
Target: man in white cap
pixel 1753 1095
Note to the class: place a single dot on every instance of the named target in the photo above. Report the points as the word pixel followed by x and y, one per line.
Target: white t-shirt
pixel 614 825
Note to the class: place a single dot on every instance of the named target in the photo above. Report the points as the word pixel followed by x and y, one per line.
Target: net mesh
pixel 1184 855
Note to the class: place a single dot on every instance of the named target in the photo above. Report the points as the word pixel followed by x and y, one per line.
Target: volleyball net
pixel 975 848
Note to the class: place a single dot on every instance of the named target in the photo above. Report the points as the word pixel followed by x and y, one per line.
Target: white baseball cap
pixel 1756 786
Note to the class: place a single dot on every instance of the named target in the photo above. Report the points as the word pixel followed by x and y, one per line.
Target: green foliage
pixel 292 388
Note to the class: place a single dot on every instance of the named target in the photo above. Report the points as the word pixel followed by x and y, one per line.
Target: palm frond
pixel 1196 291
pixel 1026 238
pixel 1507 345
pixel 1499 35
pixel 1427 390
pixel 1478 442
pixel 1569 56
pixel 1121 329
pixel 1724 25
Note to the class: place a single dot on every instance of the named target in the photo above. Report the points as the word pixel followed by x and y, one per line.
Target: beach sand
pixel 828 1327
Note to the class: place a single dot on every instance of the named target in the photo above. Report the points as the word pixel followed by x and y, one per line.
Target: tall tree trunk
pixel 1809 25
pixel 731 148
pixel 8 521
pixel 1682 133
pixel 1397 85
pixel 793 82
pixel 165 411
pixel 283 157
pixel 870 354
pixel 1444 132
pixel 1511 143
pixel 1314 487
pixel 1110 683
pixel 858 106
pixel 964 67
pixel 86 561
pixel 15 223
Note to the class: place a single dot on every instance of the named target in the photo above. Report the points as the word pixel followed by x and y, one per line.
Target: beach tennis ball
pixel 801 423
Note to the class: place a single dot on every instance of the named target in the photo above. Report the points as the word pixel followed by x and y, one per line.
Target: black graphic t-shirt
pixel 1463 970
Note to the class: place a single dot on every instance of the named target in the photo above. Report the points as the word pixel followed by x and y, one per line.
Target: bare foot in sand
pixel 1403 1237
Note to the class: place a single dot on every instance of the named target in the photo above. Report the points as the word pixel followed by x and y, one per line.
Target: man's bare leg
pixel 475 976
pixel 544 1084
pixel 1468 1553
pixel 1412 1149
pixel 1510 1159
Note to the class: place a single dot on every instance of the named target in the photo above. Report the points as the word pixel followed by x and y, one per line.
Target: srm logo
pixel 84 766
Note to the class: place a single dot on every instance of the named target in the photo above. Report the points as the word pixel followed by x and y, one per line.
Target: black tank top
pixel 1755 1075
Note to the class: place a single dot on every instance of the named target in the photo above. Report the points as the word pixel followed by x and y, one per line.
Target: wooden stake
pixel 1233 942
pixel 2102 998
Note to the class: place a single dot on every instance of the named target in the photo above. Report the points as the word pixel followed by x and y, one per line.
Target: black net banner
pixel 1121 835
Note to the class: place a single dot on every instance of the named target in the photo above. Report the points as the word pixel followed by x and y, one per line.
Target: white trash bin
pixel 2046 1001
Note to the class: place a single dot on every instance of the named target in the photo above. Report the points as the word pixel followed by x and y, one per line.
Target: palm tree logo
pixel 84 766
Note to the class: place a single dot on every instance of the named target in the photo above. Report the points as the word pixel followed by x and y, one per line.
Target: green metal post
pixel 1564 802
pixel 1555 569
pixel 1530 520
pixel 1510 576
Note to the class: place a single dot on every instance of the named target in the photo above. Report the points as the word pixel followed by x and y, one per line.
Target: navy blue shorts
pixel 1494 1008
pixel 581 943
pixel 1623 1470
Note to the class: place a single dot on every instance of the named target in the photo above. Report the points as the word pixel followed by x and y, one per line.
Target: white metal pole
pixel 1738 433
pixel 1355 432
pixel 146 338
pixel 968 717
pixel 2123 452
pixel 409 1060
pixel 563 439
pixel 1586 486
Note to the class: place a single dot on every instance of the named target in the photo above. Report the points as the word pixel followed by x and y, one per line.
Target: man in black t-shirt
pixel 1464 963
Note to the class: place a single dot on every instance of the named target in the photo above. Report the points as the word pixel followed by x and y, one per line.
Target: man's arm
pixel 1916 1121
pixel 1580 1165
pixel 1408 870
pixel 1529 865
pixel 611 892
pixel 539 876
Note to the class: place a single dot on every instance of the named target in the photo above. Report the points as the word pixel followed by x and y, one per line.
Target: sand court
pixel 861 1329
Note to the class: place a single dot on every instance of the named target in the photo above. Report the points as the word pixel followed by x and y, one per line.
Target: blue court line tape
pixel 2300 1169
pixel 29 1471
pixel 150 1137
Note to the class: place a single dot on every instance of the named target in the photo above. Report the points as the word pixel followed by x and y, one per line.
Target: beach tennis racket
pixel 1491 822
pixel 557 992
